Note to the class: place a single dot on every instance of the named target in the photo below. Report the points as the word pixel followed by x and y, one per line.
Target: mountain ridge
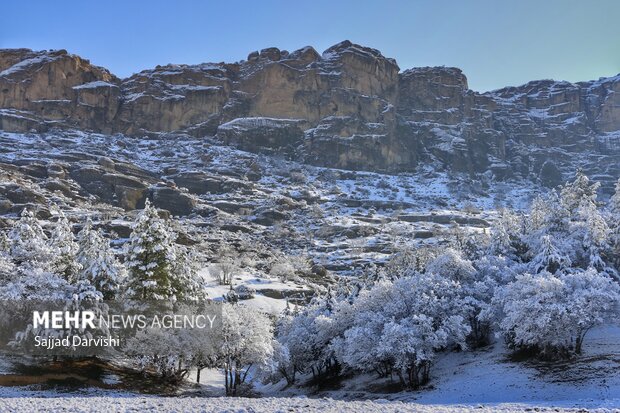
pixel 353 109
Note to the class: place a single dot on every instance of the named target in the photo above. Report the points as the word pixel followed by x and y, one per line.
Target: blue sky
pixel 496 43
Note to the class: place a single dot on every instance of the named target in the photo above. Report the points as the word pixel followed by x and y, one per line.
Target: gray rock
pixel 172 199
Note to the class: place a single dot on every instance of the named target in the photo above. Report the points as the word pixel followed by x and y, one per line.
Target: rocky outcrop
pixel 349 107
pixel 263 135
pixel 201 183
pixel 172 200
pixel 57 88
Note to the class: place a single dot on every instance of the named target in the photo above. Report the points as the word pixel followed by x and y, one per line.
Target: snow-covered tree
pixel 160 350
pixel 307 335
pixel 28 264
pixel 28 244
pixel 202 347
pixel 594 236
pixel 551 313
pixel 575 193
pixel 506 235
pixel 185 280
pixel 246 341
pixel 475 292
pixel 408 260
pixel 227 265
pixel 158 268
pixel 7 267
pixel 64 248
pixel 35 283
pixel 399 326
pixel 150 254
pixel 99 264
pixel 549 257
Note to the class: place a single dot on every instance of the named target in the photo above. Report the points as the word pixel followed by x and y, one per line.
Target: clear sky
pixel 496 42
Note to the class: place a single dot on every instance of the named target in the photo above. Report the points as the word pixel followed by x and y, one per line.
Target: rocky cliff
pixel 349 107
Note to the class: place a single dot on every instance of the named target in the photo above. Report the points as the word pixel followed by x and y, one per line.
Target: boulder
pixel 115 188
pixel 172 199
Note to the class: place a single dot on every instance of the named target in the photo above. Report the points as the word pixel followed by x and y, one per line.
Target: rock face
pixel 268 135
pixel 349 107
pixel 55 88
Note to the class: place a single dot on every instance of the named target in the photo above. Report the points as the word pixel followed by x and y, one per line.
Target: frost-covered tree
pixel 158 268
pixel 7 267
pixel 549 257
pixel 475 291
pixel 99 264
pixel 400 326
pixel 580 190
pixel 64 248
pixel 160 350
pixel 150 254
pixel 4 243
pixel 593 235
pixel 185 279
pixel 227 266
pixel 283 363
pixel 28 264
pixel 307 335
pixel 202 348
pixel 171 352
pixel 28 244
pixel 246 341
pixel 408 260
pixel 551 313
pixel 452 265
pixel 507 235
pixel 568 230
pixel 34 283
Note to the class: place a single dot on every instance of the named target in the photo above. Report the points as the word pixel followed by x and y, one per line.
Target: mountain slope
pixel 349 108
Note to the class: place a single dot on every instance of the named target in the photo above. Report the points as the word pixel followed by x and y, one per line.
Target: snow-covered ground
pixel 484 380
pixel 243 405
pixel 488 376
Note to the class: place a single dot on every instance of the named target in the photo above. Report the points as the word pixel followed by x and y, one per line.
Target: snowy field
pixel 241 405
pixel 481 381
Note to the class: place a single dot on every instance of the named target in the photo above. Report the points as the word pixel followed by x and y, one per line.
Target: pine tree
pixel 28 244
pixel 594 234
pixel 158 268
pixel 549 257
pixel 150 256
pixel 99 264
pixel 186 283
pixel 65 249
pixel 7 268
pixel 574 193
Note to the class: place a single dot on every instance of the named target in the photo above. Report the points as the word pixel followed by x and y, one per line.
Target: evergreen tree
pixel 593 233
pixel 28 244
pixel 158 268
pixel 549 257
pixel 99 264
pixel 574 193
pixel 150 256
pixel 65 249
pixel 186 283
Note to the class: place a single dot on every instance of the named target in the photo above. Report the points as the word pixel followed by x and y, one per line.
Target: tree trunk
pixel 227 384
